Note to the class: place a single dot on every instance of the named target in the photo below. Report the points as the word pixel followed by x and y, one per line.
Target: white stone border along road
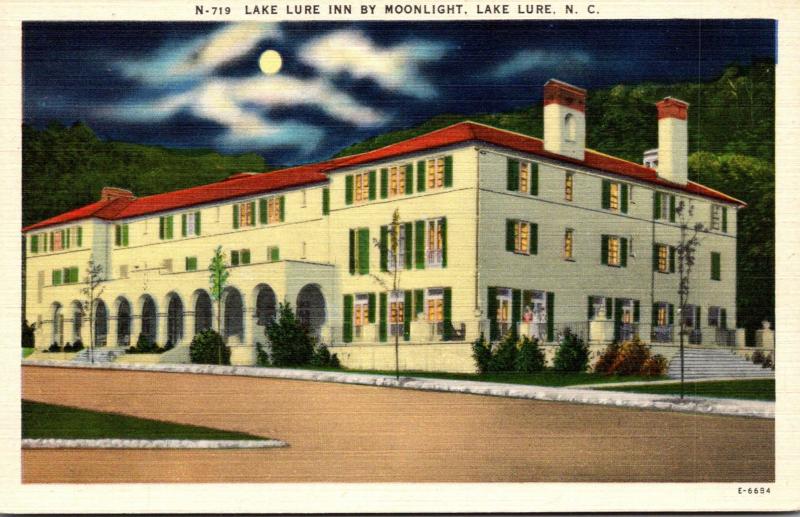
pixel 121 443
pixel 714 406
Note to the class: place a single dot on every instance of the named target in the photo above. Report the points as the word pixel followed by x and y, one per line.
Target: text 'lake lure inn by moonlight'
pixel 499 232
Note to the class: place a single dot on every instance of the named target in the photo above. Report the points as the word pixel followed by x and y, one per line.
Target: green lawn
pixel 546 378
pixel 26 352
pixel 50 421
pixel 756 389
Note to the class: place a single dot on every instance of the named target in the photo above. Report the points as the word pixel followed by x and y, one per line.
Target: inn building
pixel 498 232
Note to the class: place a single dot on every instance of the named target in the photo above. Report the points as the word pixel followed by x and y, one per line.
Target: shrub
pixel 758 357
pixel 767 363
pixel 572 354
pixel 144 346
pixel 504 358
pixel 77 346
pixel 54 347
pixel 208 347
pixel 28 336
pixel 607 359
pixel 655 366
pixel 169 345
pixel 290 341
pixel 631 358
pixel 262 357
pixel 482 354
pixel 335 361
pixel 530 357
pixel 322 357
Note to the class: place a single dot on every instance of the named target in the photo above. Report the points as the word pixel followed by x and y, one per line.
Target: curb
pixel 712 406
pixel 114 443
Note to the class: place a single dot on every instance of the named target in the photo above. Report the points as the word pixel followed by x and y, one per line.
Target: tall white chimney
pixel 673 140
pixel 564 119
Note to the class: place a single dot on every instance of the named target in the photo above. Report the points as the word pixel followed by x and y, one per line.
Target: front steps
pixel 101 355
pixel 712 363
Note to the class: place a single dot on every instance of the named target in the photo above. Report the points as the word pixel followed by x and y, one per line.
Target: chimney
pixel 112 193
pixel 564 119
pixel 673 140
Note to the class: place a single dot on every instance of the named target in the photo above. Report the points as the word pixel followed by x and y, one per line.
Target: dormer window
pixel 570 128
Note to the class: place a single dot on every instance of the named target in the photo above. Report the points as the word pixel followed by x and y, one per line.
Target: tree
pixel 219 277
pixel 393 262
pixel 686 251
pixel 290 342
pixel 91 293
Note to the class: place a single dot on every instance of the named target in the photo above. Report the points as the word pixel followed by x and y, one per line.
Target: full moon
pixel 270 62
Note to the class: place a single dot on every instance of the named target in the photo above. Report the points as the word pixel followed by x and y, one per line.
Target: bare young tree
pixel 218 279
pixel 687 253
pixel 91 293
pixel 393 263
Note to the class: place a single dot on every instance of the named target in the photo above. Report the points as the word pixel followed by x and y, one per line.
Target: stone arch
pixel 124 318
pixel 100 323
pixel 265 303
pixel 148 313
pixel 203 311
pixel 311 308
pixel 174 318
pixel 57 312
pixel 76 311
pixel 232 313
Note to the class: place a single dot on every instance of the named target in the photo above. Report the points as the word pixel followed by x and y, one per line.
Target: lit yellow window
pixel 524 176
pixel 568 179
pixel 662 258
pixel 568 244
pixel 396 314
pixel 360 313
pixel 361 186
pixel 397 181
pixel 435 171
pixel 662 316
pixel 614 199
pixel 435 310
pixel 613 251
pixel 273 210
pixel 434 242
pixel 521 237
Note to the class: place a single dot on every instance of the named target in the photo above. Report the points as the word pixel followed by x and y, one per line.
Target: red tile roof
pixel 247 184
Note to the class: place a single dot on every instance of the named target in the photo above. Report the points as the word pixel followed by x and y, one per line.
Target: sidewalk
pixel 732 407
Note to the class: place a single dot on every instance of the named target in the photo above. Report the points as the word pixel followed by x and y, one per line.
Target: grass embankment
pixel 41 420
pixel 751 389
pixel 27 351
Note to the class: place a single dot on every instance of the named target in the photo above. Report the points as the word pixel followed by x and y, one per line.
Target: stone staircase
pixel 101 355
pixel 707 363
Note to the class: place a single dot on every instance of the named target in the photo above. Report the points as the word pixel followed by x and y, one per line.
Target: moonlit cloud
pixel 534 60
pixel 394 68
pixel 201 56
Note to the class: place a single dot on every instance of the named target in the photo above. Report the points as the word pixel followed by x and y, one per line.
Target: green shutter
pixel 372 185
pixel 197 223
pixel 551 326
pixel 609 308
pixel 161 225
pixel 251 218
pixel 419 301
pixel 67 238
pixel 34 244
pixel 617 318
pixel 183 225
pixel 56 280
pixel 384 183
pixel 169 227
pixel 671 320
pixel 590 309
pixel 275 254
pixel 52 241
pixel 348 192
pixel 234 258
pixel 448 171
pixel 623 253
pixel 262 211
pixel 124 234
pixel 282 201
pixel 724 219
pixel 235 216
pixel 723 316
pixel 604 250
pixel 409 179
pixel 363 251
pixel 80 235
pixel 636 311
pixel 447 301
pixel 352 254
pixel 625 198
pixel 419 238
pixel 656 205
pixel 534 179
pixel 716 265
pixel 606 201
pixel 383 316
pixel 672 209
pixel 671 259
pixel 371 307
pixel 512 175
pixel 421 176
pixel 384 248
pixel 533 239
pixel 74 274
pixel 654 315
pixel 656 248
pixel 117 235
pixel 443 223
pixel 326 201
pixel 697 316
pixel 510 240
pixel 409 253
pixel 516 310
pixel 491 308
pixel 406 316
pixel 347 319
pixel 245 256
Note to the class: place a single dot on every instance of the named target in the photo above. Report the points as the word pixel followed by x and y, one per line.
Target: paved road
pixel 342 432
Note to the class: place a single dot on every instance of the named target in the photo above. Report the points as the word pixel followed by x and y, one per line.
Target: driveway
pixel 339 432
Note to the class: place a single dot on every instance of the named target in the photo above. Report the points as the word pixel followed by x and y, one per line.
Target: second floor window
pixel 716 266
pixel 165 227
pixel 434 242
pixel 396 313
pixel 244 214
pixel 521 237
pixel 190 224
pixel 615 196
pixel 399 261
pixel 361 192
pixel 568 236
pixel 435 171
pixel 191 263
pixel 568 185
pixel 719 218
pixel 435 308
pixel 360 313
pixel 240 257
pixel 397 180
pixel 121 234
pixel 273 254
pixel 614 251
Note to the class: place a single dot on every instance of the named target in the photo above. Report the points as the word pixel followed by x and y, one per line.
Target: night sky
pixel 199 85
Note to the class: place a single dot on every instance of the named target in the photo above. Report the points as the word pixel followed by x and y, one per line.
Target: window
pixel 435 171
pixel 503 310
pixel 434 242
pixel 326 201
pixel 397 180
pixel 663 206
pixel 190 224
pixel 57 239
pixel 615 196
pixel 569 179
pixel 522 237
pixel 165 228
pixel 123 271
pixel 691 316
pixel 359 251
pixel 662 315
pixel 396 313
pixel 599 308
pixel 361 192
pixel 272 210
pixel 568 233
pixel 244 214
pixel 191 263
pixel 719 218
pixel 523 177
pixel 663 258
pixel 614 199
pixel 273 254
pixel 167 265
pixel 570 127
pixel 397 263
pixel 360 314
pixel 434 304
pixel 34 244
pixel 67 275
pixel 717 317
pixel 121 234
pixel 240 257
pixel 614 251
pixel 716 266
